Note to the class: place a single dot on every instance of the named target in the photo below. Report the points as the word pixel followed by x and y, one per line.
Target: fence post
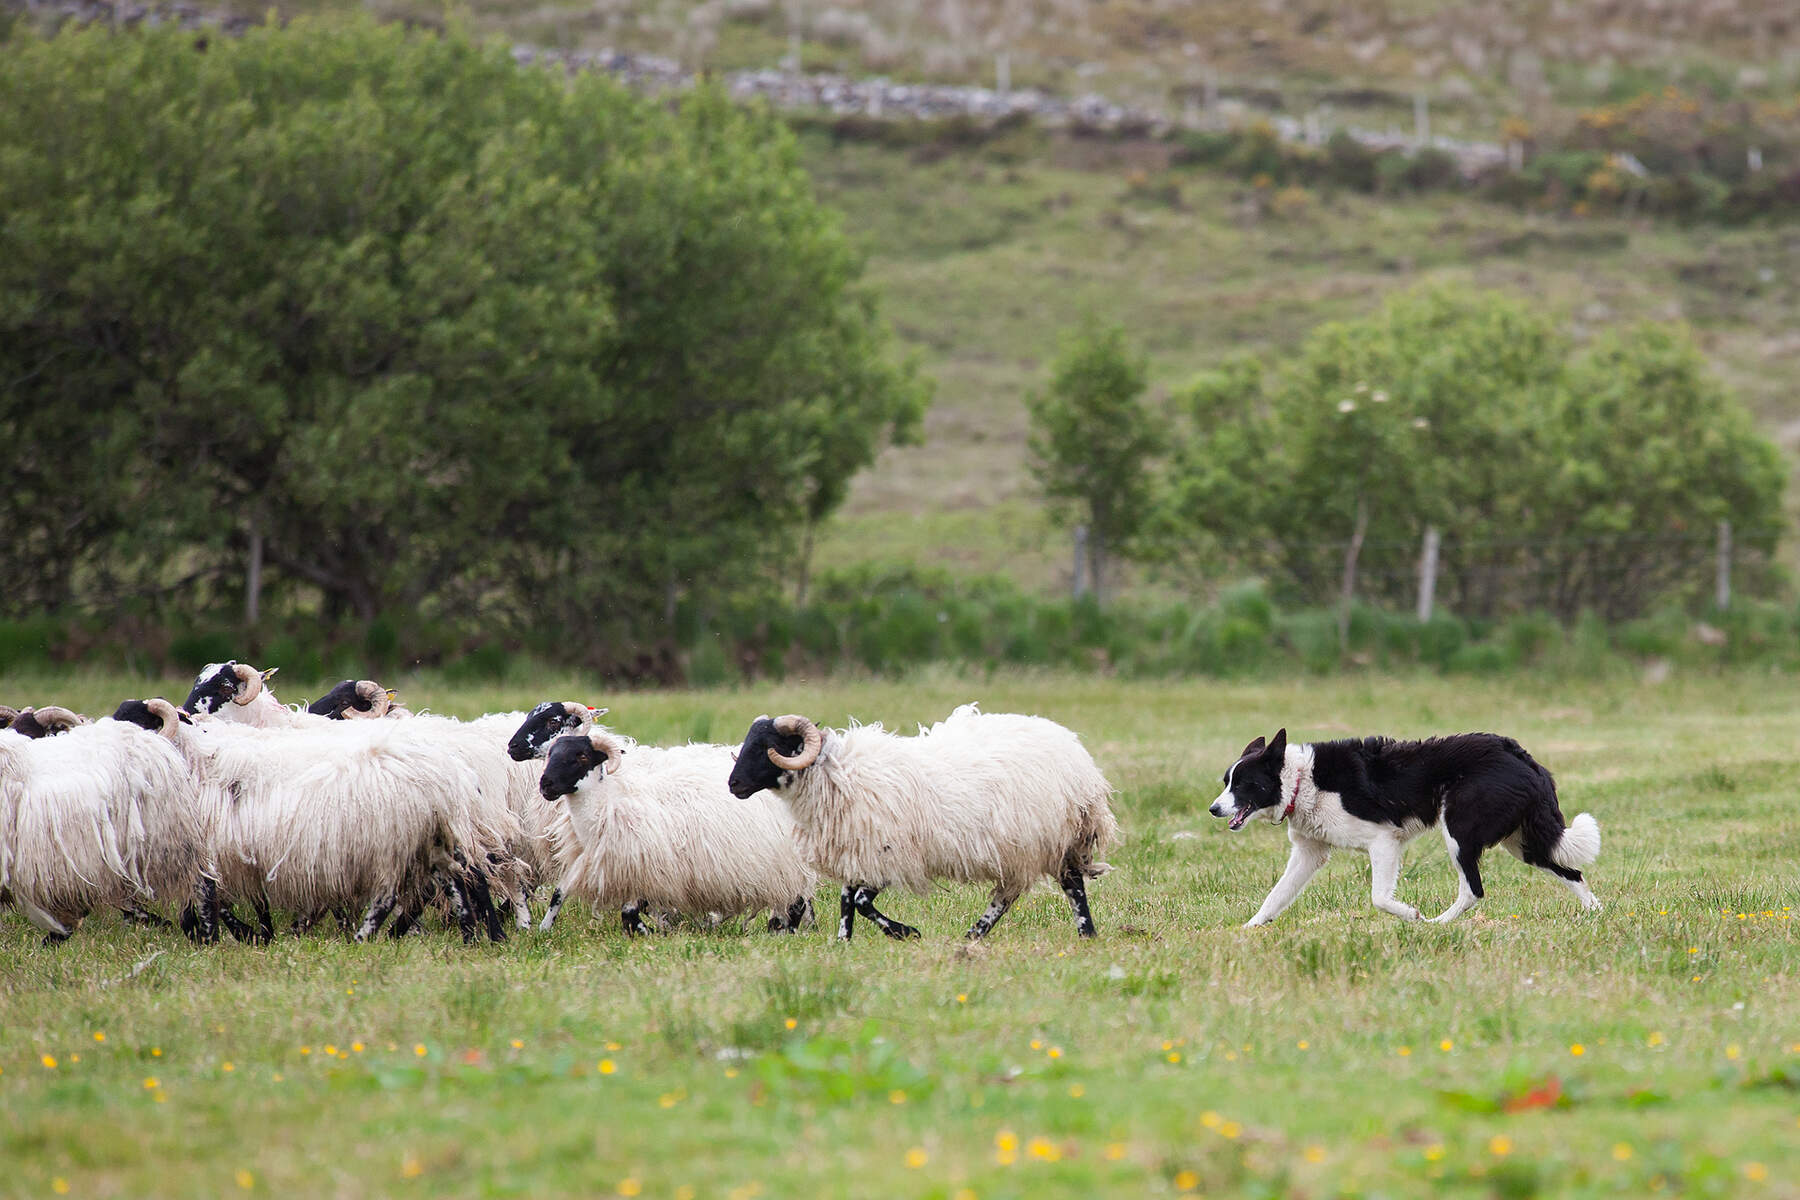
pixel 1003 72
pixel 1722 571
pixel 1428 563
pixel 1080 573
pixel 1421 119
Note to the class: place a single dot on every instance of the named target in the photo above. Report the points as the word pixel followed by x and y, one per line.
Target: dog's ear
pixel 1255 747
pixel 1278 744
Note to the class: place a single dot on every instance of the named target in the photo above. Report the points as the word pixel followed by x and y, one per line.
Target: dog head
pixel 1253 783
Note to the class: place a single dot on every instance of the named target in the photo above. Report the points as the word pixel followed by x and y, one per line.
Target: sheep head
pixel 573 757
pixel 47 721
pixel 545 723
pixel 237 682
pixel 155 714
pixel 774 750
pixel 354 699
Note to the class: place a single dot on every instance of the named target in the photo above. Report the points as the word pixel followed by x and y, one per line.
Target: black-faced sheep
pixel 977 798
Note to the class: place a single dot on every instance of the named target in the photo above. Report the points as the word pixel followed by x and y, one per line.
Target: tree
pixel 1092 441
pixel 424 331
pixel 1469 412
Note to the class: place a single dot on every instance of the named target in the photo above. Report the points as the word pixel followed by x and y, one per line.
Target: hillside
pixel 982 262
pixel 983 250
pixel 1477 62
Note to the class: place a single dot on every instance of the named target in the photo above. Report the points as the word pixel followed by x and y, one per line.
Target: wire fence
pixel 1615 576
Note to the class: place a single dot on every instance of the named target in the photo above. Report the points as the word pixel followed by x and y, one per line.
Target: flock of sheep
pixel 357 809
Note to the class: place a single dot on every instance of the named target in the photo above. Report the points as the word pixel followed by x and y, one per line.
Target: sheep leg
pixel 407 920
pixel 344 917
pixel 797 913
pixel 377 914
pixel 999 904
pixel 521 909
pixel 631 916
pixel 200 916
pixel 846 913
pixel 54 930
pixel 234 925
pixel 132 914
pixel 1074 886
pixel 459 904
pixel 265 922
pixel 481 899
pixel 864 900
pixel 556 903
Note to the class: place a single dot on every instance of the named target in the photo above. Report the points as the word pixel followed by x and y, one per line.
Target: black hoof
pixel 901 933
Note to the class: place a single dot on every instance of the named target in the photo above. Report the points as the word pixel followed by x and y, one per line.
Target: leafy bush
pixel 1598 469
pixel 402 318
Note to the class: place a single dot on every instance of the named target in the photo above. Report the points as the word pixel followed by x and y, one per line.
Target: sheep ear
pixel 268 673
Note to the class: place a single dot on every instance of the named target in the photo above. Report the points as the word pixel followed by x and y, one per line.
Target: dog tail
pixel 1579 844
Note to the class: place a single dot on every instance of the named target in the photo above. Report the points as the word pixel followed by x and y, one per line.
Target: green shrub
pixel 486 663
pixel 29 642
pixel 1529 637
pixel 1482 658
pixel 194 649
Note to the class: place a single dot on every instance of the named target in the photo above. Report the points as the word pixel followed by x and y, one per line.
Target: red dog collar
pixel 1293 800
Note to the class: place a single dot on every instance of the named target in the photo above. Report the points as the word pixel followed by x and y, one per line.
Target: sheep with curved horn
pixel 102 815
pixel 978 798
pixel 47 721
pixel 641 825
pixel 531 740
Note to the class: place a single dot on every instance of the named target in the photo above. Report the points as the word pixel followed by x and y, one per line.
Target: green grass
pixel 1336 1052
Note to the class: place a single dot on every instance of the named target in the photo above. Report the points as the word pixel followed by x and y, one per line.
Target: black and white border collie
pixel 1377 794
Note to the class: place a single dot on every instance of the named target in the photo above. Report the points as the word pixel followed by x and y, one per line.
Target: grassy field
pixel 1651 1049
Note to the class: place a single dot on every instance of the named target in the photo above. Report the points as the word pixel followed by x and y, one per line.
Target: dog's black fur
pixel 1484 789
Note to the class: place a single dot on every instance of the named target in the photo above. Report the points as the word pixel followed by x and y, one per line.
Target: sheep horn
pixel 812 741
pixel 57 719
pixel 614 753
pixel 250 683
pixel 166 713
pixel 8 714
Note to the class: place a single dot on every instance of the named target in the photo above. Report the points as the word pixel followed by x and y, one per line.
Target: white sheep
pixel 340 817
pixel 102 815
pixel 978 798
pixel 511 819
pixel 510 784
pixel 642 825
pixel 531 740
pixel 500 852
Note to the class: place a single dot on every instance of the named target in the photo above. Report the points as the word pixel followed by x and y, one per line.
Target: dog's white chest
pixel 1321 815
